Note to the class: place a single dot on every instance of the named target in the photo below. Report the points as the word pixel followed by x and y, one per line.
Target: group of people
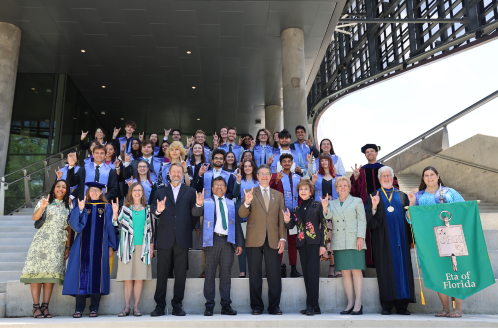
pixel 141 198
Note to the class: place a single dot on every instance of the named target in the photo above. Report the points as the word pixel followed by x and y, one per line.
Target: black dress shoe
pixel 276 311
pixel 283 271
pixel 157 312
pixel 385 312
pixel 317 309
pixel 227 310
pixel 403 312
pixel 256 312
pixel 178 311
pixel 358 312
pixel 303 311
pixel 310 310
pixel 208 312
pixel 295 274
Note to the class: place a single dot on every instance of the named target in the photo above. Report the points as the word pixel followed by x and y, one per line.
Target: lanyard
pixel 388 198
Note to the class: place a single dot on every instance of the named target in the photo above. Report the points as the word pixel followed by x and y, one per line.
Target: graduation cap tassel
pixel 416 261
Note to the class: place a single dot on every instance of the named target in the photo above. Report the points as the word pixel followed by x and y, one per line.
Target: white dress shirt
pixel 217 172
pixel 218 228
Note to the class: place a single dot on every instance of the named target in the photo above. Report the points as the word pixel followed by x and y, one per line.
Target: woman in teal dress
pixel 136 246
pixel 432 191
pixel 45 264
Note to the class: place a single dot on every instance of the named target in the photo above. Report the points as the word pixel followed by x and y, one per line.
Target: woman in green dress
pixel 49 250
pixel 349 226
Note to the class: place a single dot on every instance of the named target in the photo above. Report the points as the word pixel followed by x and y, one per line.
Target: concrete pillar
pixel 10 40
pixel 273 118
pixel 293 78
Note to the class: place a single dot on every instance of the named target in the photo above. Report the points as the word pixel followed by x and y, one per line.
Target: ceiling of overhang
pixel 138 50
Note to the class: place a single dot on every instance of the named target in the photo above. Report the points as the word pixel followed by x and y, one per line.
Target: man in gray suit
pixel 220 238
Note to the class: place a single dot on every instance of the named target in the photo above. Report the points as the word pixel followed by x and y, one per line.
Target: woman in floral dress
pixel 49 250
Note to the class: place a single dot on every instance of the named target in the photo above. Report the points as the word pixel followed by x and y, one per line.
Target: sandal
pixel 45 308
pixel 443 313
pixel 136 312
pixel 455 314
pixel 332 275
pixel 77 314
pixel 125 312
pixel 36 307
pixel 93 314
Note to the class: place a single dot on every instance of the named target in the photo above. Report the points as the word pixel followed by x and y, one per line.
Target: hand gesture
pixel 128 158
pixel 215 144
pixel 238 177
pixel 115 133
pixel 325 202
pixel 117 163
pixel 58 173
pixel 375 200
pixel 161 205
pixel 200 197
pixel 190 141
pixel 253 143
pixel 281 246
pixel 248 196
pixel 280 175
pixel 167 132
pixel 123 147
pixel 115 208
pixel 129 182
pixel 240 141
pixel 412 198
pixel 359 243
pixel 71 159
pixel 203 169
pixel 309 158
pixel 215 137
pixel 141 136
pixel 356 171
pixel 270 159
pixel 184 165
pixel 308 142
pixel 81 204
pixel 44 203
pixel 83 135
pixel 286 216
pixel 314 178
pixel 298 169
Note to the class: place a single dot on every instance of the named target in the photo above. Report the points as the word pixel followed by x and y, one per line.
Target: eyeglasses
pixel 264 174
pixel 218 158
pixel 386 176
pixel 219 186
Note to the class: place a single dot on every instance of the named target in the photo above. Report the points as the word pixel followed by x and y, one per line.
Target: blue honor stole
pixel 304 149
pixel 207 151
pixel 64 174
pixel 257 153
pixel 290 194
pixel 439 195
pixel 88 160
pixel 318 189
pixel 208 224
pixel 295 153
pixel 208 178
pixel 235 149
pixel 103 174
pixel 122 140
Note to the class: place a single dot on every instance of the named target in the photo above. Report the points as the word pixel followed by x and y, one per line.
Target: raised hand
pixel 375 200
pixel 167 132
pixel 203 169
pixel 215 137
pixel 44 202
pixel 309 158
pixel 215 144
pixel 240 141
pixel 81 204
pixel 123 147
pixel 280 175
pixel 83 135
pixel 412 198
pixel 58 173
pixel 325 202
pixel 128 158
pixel 71 159
pixel 200 197
pixel 356 171
pixel 141 136
pixel 161 205
pixel 115 209
pixel 287 216
pixel 249 196
pixel 298 169
pixel 129 182
pixel 314 178
pixel 115 133
pixel 308 142
pixel 238 177
pixel 253 143
pixel 184 165
pixel 270 159
pixel 117 163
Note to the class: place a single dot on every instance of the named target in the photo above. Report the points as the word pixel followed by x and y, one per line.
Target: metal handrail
pixel 441 125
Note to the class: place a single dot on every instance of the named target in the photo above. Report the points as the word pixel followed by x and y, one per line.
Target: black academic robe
pixel 381 250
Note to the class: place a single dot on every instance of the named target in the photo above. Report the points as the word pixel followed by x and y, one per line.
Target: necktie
pixel 266 199
pixel 229 147
pixel 97 173
pixel 223 218
pixel 263 154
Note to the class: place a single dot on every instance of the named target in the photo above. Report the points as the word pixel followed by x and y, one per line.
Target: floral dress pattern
pixel 45 260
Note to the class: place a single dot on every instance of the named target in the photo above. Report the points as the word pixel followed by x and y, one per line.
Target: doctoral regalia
pixel 88 265
pixel 391 247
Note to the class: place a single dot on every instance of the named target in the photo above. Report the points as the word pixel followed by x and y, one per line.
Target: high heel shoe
pixel 348 311
pixel 358 312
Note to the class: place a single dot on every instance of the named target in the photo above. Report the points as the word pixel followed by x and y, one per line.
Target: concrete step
pixel 11 266
pixel 16 217
pixel 16 229
pixel 22 214
pixel 19 234
pixel 24 223
pixel 293 299
pixel 27 210
pixel 15 241
pixel 3 287
pixel 14 249
pixel 12 257
pixel 5 276
pixel 3 298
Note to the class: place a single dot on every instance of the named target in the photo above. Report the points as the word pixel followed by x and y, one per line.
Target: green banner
pixel 453 255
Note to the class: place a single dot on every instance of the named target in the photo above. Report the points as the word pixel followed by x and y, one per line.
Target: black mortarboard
pixel 95 184
pixel 373 146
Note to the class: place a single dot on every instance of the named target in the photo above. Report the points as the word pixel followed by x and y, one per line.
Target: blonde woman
pixel 176 154
pixel 349 226
pixel 136 247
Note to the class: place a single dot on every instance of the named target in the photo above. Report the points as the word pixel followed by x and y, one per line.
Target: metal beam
pixel 403 21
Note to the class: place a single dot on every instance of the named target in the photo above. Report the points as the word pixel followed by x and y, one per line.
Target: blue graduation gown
pixel 88 265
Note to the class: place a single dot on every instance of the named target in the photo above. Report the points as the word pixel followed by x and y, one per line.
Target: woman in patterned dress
pixel 49 250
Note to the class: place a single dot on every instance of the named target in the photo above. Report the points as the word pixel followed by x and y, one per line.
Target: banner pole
pixel 416 257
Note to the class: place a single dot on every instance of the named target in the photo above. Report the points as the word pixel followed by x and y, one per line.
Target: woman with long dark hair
pixel 153 137
pixel 49 250
pixel 230 162
pixel 275 140
pixel 326 148
pixel 144 177
pixel 433 191
pixel 99 136
pixel 161 155
pixel 198 158
pixel 262 150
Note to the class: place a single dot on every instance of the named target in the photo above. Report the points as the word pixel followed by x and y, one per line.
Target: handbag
pixel 41 221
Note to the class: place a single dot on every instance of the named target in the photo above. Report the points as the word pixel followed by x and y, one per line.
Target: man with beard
pixel 230 145
pixel 206 176
pixel 298 167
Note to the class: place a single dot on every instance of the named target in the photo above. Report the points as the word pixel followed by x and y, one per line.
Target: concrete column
pixel 273 118
pixel 293 78
pixel 10 40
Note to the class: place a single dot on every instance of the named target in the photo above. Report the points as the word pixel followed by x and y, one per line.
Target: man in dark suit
pixel 220 237
pixel 173 207
pixel 265 234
